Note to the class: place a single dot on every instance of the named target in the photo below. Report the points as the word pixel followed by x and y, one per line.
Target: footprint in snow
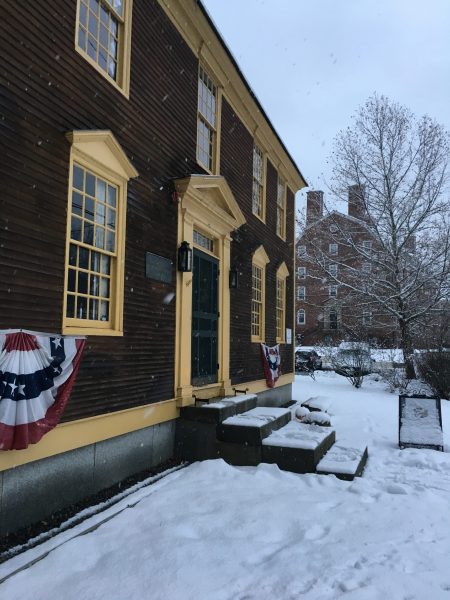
pixel 316 532
pixel 394 488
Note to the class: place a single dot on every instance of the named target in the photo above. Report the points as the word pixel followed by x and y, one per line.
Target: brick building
pixel 327 312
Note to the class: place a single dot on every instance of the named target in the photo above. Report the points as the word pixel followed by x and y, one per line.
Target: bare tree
pixel 397 168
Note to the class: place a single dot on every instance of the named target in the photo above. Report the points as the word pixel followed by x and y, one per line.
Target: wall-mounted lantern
pixel 234 278
pixel 185 258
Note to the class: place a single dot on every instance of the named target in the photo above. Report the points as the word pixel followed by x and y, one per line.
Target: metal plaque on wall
pixel 158 268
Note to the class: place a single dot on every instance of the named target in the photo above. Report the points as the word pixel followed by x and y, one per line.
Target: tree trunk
pixel 407 349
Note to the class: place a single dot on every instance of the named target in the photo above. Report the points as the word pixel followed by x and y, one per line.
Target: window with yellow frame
pixel 281 208
pixel 258 190
pixel 207 117
pixel 282 274
pixel 93 290
pixel 259 261
pixel 103 37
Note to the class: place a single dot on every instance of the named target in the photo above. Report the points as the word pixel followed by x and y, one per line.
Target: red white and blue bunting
pixel 37 372
pixel 272 363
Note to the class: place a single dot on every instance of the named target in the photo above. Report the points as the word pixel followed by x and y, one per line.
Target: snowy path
pixel 215 532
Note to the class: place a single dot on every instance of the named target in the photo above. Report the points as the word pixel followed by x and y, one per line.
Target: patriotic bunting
pixel 272 363
pixel 37 372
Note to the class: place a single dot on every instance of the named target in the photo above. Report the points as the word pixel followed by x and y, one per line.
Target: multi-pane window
pixel 367 245
pixel 280 316
pixel 301 292
pixel 202 240
pixel 333 249
pixel 257 301
pixel 206 120
pixel 301 272
pixel 333 319
pixel 281 208
pixel 258 182
pixel 93 247
pixel 366 267
pixel 333 269
pixel 100 34
pixel 332 291
pixel 301 251
pixel 301 317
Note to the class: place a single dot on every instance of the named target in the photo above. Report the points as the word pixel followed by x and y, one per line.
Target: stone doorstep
pixel 291 456
pixel 220 409
pixel 344 461
pixel 253 426
pixel 317 403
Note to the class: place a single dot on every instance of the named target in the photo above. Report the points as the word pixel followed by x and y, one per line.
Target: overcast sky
pixel 311 63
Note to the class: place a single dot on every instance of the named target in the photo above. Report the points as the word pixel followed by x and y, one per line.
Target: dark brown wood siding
pixel 49 89
pixel 236 166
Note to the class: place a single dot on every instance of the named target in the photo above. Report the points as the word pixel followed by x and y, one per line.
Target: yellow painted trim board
pixel 76 434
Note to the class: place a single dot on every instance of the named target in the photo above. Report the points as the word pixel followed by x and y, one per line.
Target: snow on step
pixel 252 426
pixel 321 403
pixel 257 417
pixel 236 400
pixel 298 435
pixel 345 462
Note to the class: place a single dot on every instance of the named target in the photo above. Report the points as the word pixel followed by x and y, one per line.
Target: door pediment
pixel 209 199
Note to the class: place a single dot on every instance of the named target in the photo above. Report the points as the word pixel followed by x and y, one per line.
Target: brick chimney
pixel 356 207
pixel 314 206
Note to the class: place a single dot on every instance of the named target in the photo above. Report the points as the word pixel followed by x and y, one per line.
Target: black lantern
pixel 185 258
pixel 234 278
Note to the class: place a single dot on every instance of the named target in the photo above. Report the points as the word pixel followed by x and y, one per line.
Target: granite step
pixel 252 426
pixel 219 409
pixel 297 447
pixel 318 403
pixel 346 462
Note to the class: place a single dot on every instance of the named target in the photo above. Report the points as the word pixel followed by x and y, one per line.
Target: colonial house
pixel 334 248
pixel 146 205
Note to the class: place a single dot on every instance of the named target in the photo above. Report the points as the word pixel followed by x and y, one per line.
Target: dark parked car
pixel 307 359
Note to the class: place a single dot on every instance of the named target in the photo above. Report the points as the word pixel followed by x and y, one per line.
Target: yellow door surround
pixel 205 203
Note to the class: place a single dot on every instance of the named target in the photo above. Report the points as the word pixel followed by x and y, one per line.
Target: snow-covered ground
pixel 216 532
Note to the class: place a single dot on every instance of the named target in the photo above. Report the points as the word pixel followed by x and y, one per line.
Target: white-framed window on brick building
pixel 301 316
pixel 103 38
pixel 301 250
pixel 301 272
pixel 333 249
pixel 333 270
pixel 367 317
pixel 301 292
pixel 332 291
pixel 259 177
pixel 367 245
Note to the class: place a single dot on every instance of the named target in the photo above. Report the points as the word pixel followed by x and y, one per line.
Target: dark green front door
pixel 204 319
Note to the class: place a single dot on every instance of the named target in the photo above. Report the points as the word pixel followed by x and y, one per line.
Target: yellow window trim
pixel 262 218
pixel 100 153
pixel 218 128
pixel 283 206
pixel 281 275
pixel 260 259
pixel 124 51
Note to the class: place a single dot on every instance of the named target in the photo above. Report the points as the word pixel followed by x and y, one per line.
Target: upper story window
pixel 301 317
pixel 367 245
pixel 332 291
pixel 93 297
pixel 332 249
pixel 367 317
pixel 333 228
pixel 301 251
pixel 301 292
pixel 258 192
pixel 281 208
pixel 301 272
pixel 103 37
pixel 207 121
pixel 333 269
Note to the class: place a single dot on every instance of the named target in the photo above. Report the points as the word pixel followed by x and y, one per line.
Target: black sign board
pixel 158 268
pixel 420 423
